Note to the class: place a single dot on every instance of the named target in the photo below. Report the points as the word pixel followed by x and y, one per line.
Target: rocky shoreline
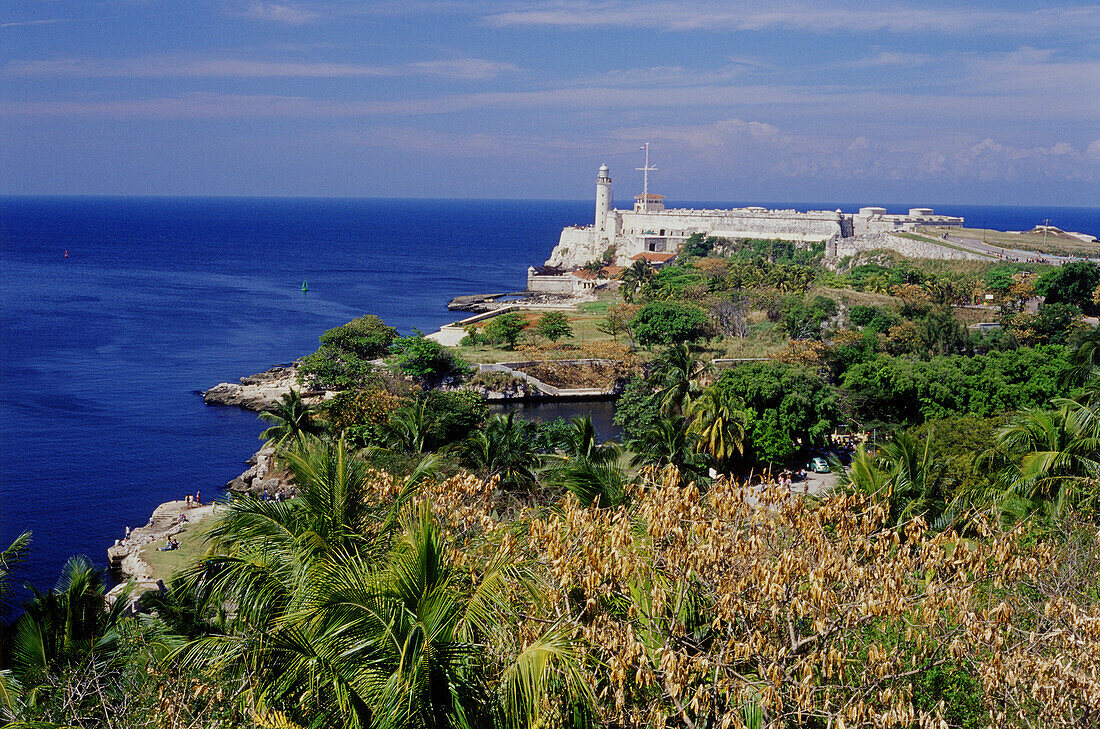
pixel 257 392
pixel 124 558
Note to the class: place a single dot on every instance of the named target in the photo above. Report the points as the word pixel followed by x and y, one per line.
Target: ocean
pixel 104 352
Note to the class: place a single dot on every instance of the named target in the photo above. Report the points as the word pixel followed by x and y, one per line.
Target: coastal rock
pixel 257 392
pixel 263 473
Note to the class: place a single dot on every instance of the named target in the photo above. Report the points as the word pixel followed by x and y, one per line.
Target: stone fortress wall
pixel 650 227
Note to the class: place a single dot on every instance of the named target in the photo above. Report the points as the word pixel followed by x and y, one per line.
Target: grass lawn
pixel 192 545
pixel 585 331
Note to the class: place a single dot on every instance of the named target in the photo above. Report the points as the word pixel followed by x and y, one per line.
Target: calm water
pixel 102 352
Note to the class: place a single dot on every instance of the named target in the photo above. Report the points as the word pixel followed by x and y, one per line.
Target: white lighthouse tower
pixel 603 198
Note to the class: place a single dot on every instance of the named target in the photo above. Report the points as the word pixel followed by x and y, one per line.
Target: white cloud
pixel 469 69
pixel 753 148
pixel 819 17
pixel 1039 71
pixel 276 13
pixel 44 21
pixel 888 58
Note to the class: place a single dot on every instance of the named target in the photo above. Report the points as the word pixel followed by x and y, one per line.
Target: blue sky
pixel 801 100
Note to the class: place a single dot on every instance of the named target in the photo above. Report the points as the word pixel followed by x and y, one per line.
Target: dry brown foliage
pixel 688 606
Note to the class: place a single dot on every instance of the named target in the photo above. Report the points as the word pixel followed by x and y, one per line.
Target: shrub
pixel 426 360
pixel 872 317
pixel 366 337
pixel 665 323
pixel 505 329
pixel 360 408
pixel 554 325
pixel 331 368
pixel 454 415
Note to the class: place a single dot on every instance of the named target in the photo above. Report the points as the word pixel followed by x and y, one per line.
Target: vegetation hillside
pixel 441 566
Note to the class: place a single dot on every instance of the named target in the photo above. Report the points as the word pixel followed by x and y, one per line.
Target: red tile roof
pixel 653 257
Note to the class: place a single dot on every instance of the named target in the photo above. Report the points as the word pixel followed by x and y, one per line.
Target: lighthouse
pixel 603 197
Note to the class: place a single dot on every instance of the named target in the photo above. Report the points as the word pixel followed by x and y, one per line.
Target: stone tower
pixel 603 198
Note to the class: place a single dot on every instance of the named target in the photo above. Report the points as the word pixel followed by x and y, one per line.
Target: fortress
pixel 652 231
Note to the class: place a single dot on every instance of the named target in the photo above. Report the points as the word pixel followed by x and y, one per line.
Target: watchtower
pixel 603 197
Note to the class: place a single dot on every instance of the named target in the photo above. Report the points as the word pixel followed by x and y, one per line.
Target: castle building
pixel 650 226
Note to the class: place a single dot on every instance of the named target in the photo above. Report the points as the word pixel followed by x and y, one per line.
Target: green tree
pixel 901 390
pixel 1072 283
pixel 554 325
pixel 506 329
pixel 942 333
pixel 665 323
pixel 698 244
pixel 292 419
pixel 333 369
pixel 789 405
pixel 367 337
pixel 803 320
pixel 426 360
pixel 637 409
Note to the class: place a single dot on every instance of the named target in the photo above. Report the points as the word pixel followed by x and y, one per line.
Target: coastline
pixel 125 558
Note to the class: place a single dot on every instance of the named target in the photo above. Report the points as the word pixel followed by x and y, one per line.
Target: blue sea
pixel 103 353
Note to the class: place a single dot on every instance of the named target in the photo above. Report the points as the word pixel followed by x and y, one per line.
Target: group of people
pixel 279 495
pixel 169 544
pixel 195 500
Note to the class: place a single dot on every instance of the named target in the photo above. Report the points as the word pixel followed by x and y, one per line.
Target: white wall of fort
pixel 630 232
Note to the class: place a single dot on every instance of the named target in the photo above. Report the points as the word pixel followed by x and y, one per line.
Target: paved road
pixel 995 251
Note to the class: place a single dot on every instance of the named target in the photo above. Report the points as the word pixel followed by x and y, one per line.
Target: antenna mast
pixel 645 178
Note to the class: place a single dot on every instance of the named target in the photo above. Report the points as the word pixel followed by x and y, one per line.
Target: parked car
pixel 818 465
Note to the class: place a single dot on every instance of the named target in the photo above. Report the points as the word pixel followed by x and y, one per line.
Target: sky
pixel 893 101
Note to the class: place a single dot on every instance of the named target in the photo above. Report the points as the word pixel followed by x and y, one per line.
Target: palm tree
pixel 904 474
pixel 599 484
pixel 668 443
pixel 398 638
pixel 13 555
pixel 410 427
pixel 718 420
pixel 291 419
pixel 582 442
pixel 635 278
pixel 262 548
pixel 1084 366
pixel 677 373
pixel 502 449
pixel 68 623
pixel 1053 455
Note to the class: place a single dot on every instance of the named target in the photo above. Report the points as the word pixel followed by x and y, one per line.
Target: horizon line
pixel 161 196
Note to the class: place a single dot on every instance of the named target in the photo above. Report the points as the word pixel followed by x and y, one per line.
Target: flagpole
pixel 645 178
